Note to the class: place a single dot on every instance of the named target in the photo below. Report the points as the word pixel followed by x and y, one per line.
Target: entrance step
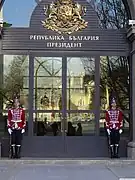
pixel 84 162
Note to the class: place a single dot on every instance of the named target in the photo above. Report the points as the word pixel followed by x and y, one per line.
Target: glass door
pixel 81 96
pixel 66 94
pixel 47 102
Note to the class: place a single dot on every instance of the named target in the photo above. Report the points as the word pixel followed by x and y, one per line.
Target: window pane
pixel 15 75
pixel 80 124
pixel 114 81
pixel 80 83
pixel 47 83
pixel 47 124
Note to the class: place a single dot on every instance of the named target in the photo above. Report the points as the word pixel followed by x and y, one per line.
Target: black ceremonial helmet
pixel 16 98
pixel 113 102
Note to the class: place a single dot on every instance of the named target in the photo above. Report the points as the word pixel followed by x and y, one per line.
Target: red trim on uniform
pixel 16 114
pixel 114 119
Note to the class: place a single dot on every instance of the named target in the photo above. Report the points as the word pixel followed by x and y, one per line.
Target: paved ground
pixel 66 170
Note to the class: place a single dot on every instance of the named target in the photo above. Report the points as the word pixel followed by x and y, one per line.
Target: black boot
pixel 13 152
pixel 112 151
pixel 116 151
pixel 18 151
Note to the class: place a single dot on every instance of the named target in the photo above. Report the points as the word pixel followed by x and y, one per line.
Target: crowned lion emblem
pixel 64 16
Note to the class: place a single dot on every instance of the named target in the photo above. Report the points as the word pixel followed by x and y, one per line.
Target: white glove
pixel 108 131
pixel 9 131
pixel 23 131
pixel 120 131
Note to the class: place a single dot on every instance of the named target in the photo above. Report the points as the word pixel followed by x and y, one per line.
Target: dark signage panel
pixel 29 39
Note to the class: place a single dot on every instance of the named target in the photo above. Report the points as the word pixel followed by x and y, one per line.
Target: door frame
pixel 64 110
pixel 68 145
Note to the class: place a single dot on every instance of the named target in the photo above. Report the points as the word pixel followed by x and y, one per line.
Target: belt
pixel 16 121
pixel 114 122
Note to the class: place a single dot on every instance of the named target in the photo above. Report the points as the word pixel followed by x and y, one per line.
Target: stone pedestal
pixel 131 150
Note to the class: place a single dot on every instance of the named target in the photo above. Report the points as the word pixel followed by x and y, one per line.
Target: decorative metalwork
pixel 65 16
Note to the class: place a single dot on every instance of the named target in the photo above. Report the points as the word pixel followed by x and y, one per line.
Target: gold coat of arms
pixel 64 16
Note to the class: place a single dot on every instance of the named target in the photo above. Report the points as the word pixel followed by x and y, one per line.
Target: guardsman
pixel 114 123
pixel 16 127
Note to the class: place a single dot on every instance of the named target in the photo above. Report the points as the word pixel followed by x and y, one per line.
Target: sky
pixel 18 12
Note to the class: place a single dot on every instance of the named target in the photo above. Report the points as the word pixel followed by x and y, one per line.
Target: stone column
pixel 131 145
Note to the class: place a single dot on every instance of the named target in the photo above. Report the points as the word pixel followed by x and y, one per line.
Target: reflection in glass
pixel 15 79
pixel 80 83
pixel 114 80
pixel 47 83
pixel 80 124
pixel 47 124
